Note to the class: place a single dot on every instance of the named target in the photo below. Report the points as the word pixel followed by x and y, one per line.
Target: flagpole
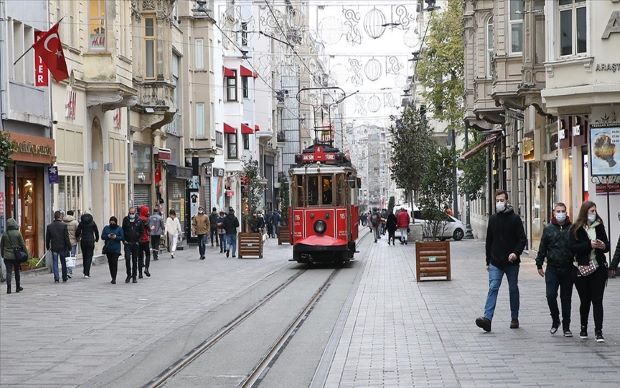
pixel 30 48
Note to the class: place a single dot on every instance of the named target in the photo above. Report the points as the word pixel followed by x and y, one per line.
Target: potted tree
pixel 250 240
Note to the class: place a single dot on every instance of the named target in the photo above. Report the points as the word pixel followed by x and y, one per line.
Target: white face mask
pixel 560 217
pixel 500 206
pixel 591 218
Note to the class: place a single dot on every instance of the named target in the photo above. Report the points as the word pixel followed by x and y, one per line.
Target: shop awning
pixel 486 143
pixel 256 128
pixel 245 72
pixel 246 129
pixel 229 129
pixel 229 73
pixel 163 153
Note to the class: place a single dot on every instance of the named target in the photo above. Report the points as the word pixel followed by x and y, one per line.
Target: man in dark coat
pixel 88 234
pixel 505 242
pixel 57 241
pixel 231 223
pixel 133 228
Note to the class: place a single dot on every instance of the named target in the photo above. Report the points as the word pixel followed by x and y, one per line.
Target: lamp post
pixel 468 232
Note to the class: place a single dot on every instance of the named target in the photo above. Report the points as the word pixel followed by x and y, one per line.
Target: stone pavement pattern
pixel 403 333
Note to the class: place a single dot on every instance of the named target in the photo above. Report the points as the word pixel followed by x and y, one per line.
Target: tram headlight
pixel 320 226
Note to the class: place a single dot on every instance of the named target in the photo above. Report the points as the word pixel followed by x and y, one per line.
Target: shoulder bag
pixel 20 253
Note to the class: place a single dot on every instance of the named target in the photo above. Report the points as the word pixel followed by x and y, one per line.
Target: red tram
pixel 323 212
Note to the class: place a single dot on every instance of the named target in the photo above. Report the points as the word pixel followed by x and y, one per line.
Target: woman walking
pixel 11 240
pixel 173 230
pixel 588 241
pixel 88 234
pixel 391 225
pixel 113 235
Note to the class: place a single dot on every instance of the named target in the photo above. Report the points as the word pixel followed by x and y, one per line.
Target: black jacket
pixel 616 259
pixel 554 246
pixel 213 220
pixel 391 223
pixel 581 245
pixel 505 235
pixel 57 237
pixel 231 223
pixel 87 230
pixel 132 230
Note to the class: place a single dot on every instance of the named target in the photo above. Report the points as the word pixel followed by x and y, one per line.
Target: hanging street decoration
pixel 374 23
pixel 374 103
pixel 392 65
pixel 354 36
pixel 356 76
pixel 372 70
pixel 330 30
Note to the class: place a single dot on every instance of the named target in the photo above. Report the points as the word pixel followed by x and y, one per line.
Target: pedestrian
pixel 132 230
pixel 144 245
pixel 88 234
pixel 11 241
pixel 201 226
pixel 231 223
pixel 173 231
pixel 113 236
pixel 213 228
pixel 505 243
pixel 403 225
pixel 156 229
pixel 221 231
pixel 560 272
pixel 269 224
pixel 391 224
pixel 589 243
pixel 384 215
pixel 375 224
pixel 72 224
pixel 57 241
pixel 613 268
pixel 276 218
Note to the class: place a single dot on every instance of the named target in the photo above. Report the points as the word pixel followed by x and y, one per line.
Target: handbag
pixel 20 254
pixel 585 270
pixel 104 250
pixel 70 261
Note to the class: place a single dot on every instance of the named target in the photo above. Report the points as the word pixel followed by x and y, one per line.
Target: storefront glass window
pixel 142 163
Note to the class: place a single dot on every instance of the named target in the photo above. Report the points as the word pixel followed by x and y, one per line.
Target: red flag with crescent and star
pixel 49 48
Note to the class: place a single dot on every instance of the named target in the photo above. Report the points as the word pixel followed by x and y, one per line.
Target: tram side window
pixel 313 190
pixel 341 190
pixel 299 190
pixel 326 190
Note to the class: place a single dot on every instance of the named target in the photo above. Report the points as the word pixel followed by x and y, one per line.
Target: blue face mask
pixel 561 217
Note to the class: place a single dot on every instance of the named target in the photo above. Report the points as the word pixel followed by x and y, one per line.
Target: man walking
pixel 231 223
pixel 275 220
pixel 504 244
pixel 132 230
pixel 560 271
pixel 57 241
pixel 375 223
pixel 403 220
pixel 144 245
pixel 201 226
pixel 213 227
pixel 156 229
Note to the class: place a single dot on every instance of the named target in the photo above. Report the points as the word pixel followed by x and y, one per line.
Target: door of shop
pixel 23 194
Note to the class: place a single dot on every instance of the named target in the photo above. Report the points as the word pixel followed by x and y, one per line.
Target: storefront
pixel 142 175
pixel 27 191
pixel 176 181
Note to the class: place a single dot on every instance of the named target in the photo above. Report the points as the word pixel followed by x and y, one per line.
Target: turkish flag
pixel 49 48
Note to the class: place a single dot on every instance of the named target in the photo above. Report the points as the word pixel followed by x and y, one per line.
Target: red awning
pixel 229 129
pixel 487 142
pixel 229 73
pixel 246 129
pixel 245 72
pixel 256 128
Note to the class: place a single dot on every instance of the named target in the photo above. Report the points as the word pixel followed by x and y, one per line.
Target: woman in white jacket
pixel 173 230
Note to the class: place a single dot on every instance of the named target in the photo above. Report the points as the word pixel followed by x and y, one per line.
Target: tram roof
pixel 315 168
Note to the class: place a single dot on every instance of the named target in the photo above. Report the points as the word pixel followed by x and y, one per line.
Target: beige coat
pixel 201 224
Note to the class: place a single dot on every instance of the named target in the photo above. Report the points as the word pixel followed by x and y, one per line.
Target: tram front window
pixel 313 190
pixel 326 190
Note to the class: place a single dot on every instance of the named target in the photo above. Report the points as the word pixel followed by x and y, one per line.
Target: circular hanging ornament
pixel 330 30
pixel 374 103
pixel 373 69
pixel 374 23
pixel 411 38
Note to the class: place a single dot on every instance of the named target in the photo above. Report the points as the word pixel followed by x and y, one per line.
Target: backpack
pixel 375 219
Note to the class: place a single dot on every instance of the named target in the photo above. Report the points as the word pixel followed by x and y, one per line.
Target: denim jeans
pixel 222 238
pixel 495 281
pixel 231 243
pixel 562 278
pixel 202 244
pixel 55 257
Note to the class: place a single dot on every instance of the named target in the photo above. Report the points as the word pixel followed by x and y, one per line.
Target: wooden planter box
pixel 250 244
pixel 284 235
pixel 432 260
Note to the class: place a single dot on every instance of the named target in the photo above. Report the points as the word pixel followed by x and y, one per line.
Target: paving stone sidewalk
pixel 401 333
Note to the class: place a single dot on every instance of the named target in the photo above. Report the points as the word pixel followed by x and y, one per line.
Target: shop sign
pixel 614 188
pixel 608 67
pixel 604 150
pixel 528 146
pixel 52 175
pixel 613 25
pixel 218 171
pixel 41 75
pixel 33 149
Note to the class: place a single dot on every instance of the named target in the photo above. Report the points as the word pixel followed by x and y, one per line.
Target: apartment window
pixel 244 33
pixel 200 54
pixel 200 120
pixel 175 126
pixel 572 27
pixel 231 87
pixel 219 139
pixel 245 87
pixel 516 26
pixel 489 48
pixel 96 25
pixel 246 141
pixel 149 45
pixel 231 144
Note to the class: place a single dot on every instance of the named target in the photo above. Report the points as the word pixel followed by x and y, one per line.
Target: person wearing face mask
pixel 201 227
pixel 132 230
pixel 560 272
pixel 112 234
pixel 588 241
pixel 505 243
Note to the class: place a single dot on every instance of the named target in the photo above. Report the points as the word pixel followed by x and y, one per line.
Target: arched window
pixel 488 54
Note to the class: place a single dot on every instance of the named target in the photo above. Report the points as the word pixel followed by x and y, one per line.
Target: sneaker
pixel 514 324
pixel 172 255
pixel 147 273
pixel 133 280
pixel 227 253
pixel 140 276
pixel 234 256
pixel 599 336
pixel 484 323
pixel 127 279
pixel 202 257
pixel 19 289
pixel 554 327
pixel 113 281
pixel 583 334
pixel 568 333
pixel 86 277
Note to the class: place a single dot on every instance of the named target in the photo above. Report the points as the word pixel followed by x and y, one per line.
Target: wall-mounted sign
pixel 52 175
pixel 608 67
pixel 41 76
pixel 528 146
pixel 613 25
pixel 33 149
pixel 604 150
